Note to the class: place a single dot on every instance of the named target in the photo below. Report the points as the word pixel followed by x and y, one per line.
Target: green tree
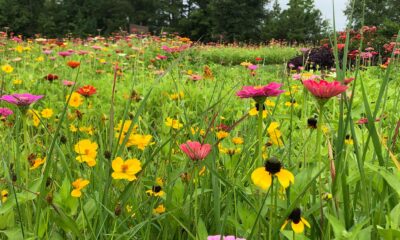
pixel 302 22
pixel 383 14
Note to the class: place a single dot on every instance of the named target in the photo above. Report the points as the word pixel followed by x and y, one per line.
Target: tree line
pixel 249 21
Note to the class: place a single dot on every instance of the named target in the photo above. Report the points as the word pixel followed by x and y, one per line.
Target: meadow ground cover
pixel 148 138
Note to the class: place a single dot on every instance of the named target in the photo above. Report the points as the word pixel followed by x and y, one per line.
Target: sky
pixel 325 6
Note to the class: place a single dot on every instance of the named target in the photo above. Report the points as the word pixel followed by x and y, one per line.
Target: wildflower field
pixel 143 137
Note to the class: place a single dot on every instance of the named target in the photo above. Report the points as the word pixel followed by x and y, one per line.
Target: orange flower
pixel 73 64
pixel 87 90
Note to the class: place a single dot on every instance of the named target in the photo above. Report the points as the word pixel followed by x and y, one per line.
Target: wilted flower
pixel 51 77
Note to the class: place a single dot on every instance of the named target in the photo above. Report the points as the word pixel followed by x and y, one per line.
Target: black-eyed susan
pixel 348 140
pixel 156 191
pixel 262 177
pixel 4 195
pixel 297 221
pixel 312 123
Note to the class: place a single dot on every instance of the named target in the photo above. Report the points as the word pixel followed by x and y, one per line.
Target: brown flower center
pixel 124 168
pixel 156 189
pixel 273 165
pixel 295 216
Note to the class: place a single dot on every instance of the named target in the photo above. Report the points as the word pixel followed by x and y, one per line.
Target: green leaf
pixel 201 230
pixel 393 179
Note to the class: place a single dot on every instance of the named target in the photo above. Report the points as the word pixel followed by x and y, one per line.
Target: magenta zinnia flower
pixel 5 112
pixel 270 90
pixel 323 89
pixel 195 150
pixel 21 99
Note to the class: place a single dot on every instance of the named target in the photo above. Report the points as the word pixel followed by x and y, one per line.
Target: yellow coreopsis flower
pixel 140 141
pixel 76 100
pixel 17 81
pixel 87 151
pixel 89 130
pixel 7 68
pixel 269 103
pixel 78 185
pixel 125 169
pixel 159 209
pixel 275 134
pixel 19 49
pixel 125 127
pixel 222 134
pixel 237 140
pixel 46 113
pixel 173 123
pixel 37 163
pixel 39 59
pixel 72 128
pixel 176 96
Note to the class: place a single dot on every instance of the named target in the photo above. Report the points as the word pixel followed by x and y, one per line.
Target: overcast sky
pixel 325 6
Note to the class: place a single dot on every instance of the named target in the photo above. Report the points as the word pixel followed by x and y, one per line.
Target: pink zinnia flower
pixel 5 112
pixel 270 90
pixel 252 67
pixel 21 99
pixel 348 80
pixel 65 54
pixel 324 89
pixel 68 83
pixel 47 51
pixel 195 150
pixel 195 77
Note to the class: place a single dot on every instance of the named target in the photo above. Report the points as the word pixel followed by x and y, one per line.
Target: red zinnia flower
pixel 51 77
pixel 73 64
pixel 87 90
pixel 323 89
pixel 195 150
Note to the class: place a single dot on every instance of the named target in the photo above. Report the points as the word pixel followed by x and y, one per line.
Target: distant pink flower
pixel 362 121
pixel 82 52
pixel 47 51
pixel 21 99
pixel 252 67
pixel 5 112
pixel 195 77
pixel 323 89
pixel 270 90
pixel 218 237
pixel 68 83
pixel 340 46
pixel 365 55
pixel 161 57
pixel 195 150
pixel 65 54
pixel 96 47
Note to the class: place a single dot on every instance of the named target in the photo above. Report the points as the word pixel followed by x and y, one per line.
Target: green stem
pixel 272 210
pixel 260 130
pixel 319 158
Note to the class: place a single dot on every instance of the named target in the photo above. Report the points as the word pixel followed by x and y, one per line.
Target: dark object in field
pixel 313 59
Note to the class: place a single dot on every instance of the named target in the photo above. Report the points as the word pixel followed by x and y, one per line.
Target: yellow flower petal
pixel 261 178
pixel 306 222
pixel 284 225
pixel 285 177
pixel 76 193
pixel 298 227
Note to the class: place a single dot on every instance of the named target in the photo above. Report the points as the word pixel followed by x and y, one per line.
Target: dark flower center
pixel 312 122
pixel 156 189
pixel 295 216
pixel 273 165
pixel 292 100
pixel 347 137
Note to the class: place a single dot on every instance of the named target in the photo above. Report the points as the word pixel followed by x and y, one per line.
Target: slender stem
pixel 319 158
pixel 260 130
pixel 272 210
